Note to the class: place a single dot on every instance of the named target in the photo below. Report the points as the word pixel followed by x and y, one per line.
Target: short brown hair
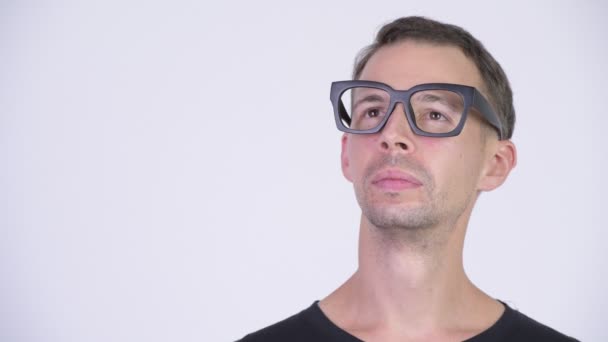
pixel 426 30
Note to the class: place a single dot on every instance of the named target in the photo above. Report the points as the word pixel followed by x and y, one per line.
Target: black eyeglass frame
pixel 471 97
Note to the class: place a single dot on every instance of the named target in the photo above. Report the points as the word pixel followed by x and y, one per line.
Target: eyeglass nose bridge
pixel 396 97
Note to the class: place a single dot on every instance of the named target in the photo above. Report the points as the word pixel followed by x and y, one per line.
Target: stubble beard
pixel 421 216
pixel 416 218
pixel 396 218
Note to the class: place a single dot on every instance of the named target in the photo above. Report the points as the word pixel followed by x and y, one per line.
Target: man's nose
pixel 397 133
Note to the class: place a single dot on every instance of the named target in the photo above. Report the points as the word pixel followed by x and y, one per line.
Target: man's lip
pixel 395 178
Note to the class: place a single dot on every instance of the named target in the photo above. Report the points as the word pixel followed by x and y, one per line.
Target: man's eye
pixel 436 116
pixel 372 113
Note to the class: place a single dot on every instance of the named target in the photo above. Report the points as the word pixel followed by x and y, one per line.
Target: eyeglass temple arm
pixel 343 113
pixel 489 114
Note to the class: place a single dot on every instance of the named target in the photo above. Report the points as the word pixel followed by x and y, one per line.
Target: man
pixel 427 123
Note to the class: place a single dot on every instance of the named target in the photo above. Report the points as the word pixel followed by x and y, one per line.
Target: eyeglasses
pixel 432 110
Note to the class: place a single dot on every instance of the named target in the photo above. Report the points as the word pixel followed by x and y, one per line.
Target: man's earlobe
pixel 344 158
pixel 499 165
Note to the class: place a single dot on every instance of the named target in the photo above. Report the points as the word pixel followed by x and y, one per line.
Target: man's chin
pixel 398 202
pixel 409 216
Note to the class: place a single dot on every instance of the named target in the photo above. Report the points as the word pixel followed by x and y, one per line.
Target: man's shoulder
pixel 525 328
pixel 294 328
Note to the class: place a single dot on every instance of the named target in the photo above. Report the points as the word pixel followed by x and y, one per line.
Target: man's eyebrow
pixel 427 97
pixel 368 98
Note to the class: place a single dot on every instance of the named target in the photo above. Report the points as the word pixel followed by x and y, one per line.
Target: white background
pixel 170 171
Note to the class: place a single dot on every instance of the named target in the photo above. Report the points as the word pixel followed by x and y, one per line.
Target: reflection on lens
pixel 364 108
pixel 437 111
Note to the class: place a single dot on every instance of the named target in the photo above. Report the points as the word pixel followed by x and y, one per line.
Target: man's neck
pixel 410 284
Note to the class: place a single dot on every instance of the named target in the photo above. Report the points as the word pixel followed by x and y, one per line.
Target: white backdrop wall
pixel 169 171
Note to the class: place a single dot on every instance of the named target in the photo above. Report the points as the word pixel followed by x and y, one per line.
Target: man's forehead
pixel 407 63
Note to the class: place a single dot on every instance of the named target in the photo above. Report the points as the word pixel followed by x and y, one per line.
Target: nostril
pixel 402 145
pixel 384 145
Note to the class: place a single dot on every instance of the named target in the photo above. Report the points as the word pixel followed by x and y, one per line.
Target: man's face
pixel 410 181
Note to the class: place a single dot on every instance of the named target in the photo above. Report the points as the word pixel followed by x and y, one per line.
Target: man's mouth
pixel 395 180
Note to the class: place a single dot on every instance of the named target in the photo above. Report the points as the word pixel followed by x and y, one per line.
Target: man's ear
pixel 499 165
pixel 344 158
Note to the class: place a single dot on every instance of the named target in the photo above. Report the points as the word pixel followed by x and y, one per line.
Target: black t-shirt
pixel 311 325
